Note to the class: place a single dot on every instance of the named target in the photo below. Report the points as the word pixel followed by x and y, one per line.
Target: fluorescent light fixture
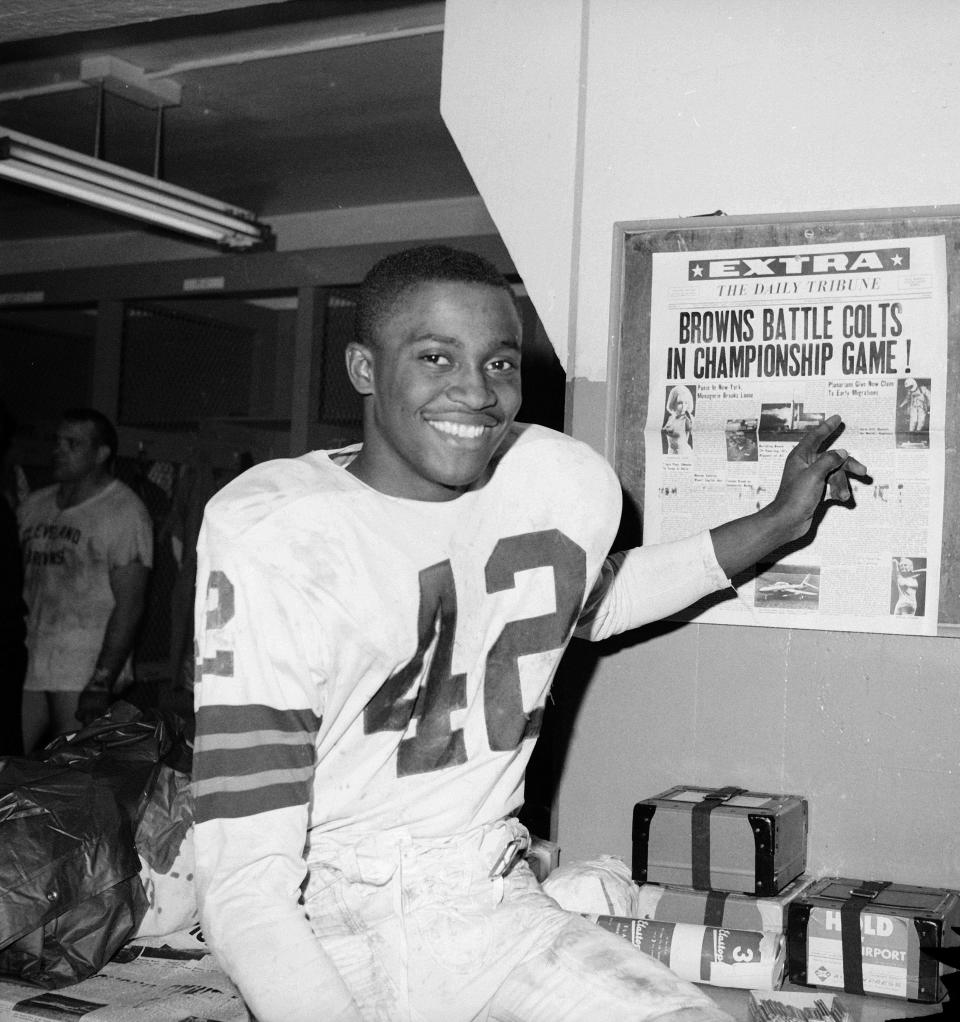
pixel 39 164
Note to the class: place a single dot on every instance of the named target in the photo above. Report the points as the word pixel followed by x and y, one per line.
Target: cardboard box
pixel 677 904
pixel 543 857
pixel 868 937
pixel 722 839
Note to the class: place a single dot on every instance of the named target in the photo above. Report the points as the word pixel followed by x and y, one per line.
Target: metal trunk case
pixel 720 839
pixel 873 937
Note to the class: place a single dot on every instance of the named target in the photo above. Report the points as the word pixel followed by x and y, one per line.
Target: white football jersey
pixel 371 667
pixel 363 653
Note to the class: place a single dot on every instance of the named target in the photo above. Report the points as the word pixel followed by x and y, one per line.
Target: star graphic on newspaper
pixel 696 270
pixel 896 259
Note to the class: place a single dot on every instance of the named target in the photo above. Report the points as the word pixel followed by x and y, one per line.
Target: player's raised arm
pixel 813 471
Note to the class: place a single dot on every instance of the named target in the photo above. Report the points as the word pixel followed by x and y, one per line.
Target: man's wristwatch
pixel 99 681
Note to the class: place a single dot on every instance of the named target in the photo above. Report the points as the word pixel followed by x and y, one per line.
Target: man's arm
pixel 129 586
pixel 259 699
pixel 648 583
pixel 809 474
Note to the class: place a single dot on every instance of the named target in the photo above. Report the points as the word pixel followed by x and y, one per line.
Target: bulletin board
pixel 634 308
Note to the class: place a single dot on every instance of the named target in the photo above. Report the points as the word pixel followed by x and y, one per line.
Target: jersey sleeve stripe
pixel 252 758
pixel 212 742
pixel 220 718
pixel 230 805
pixel 263 779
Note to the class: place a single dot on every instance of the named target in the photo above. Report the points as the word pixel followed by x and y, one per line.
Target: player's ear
pixel 360 367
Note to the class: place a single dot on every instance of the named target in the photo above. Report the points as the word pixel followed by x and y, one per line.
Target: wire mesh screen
pixel 179 369
pixel 340 404
pixel 46 362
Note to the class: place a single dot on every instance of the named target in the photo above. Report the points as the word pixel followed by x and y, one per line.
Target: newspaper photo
pixel 750 348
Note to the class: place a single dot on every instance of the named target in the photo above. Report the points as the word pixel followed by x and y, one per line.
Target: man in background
pixel 87 544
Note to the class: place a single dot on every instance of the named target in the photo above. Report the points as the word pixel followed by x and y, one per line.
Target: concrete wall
pixel 573 114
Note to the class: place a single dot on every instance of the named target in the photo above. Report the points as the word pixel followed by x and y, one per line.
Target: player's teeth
pixel 459 429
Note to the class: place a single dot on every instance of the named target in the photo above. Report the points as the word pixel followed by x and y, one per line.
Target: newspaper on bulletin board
pixel 747 347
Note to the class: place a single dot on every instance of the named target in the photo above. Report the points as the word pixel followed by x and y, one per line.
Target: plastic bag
pixel 123 749
pixel 70 890
pixel 70 893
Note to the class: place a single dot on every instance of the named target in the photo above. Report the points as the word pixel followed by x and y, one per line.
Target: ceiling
pixel 284 107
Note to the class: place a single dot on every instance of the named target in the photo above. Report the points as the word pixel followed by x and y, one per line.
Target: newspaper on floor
pixel 163 979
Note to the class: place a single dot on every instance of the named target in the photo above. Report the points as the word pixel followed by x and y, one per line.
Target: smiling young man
pixel 441 373
pixel 378 628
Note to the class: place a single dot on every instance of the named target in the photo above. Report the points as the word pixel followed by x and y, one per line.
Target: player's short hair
pixel 394 275
pixel 104 433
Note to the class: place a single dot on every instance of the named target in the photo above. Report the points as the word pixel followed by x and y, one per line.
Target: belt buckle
pixel 507 858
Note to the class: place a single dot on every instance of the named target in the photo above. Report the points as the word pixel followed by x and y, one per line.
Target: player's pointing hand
pixel 813 470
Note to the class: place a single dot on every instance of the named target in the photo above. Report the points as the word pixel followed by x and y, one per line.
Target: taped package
pixel 601 886
pixel 674 903
pixel 745 959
